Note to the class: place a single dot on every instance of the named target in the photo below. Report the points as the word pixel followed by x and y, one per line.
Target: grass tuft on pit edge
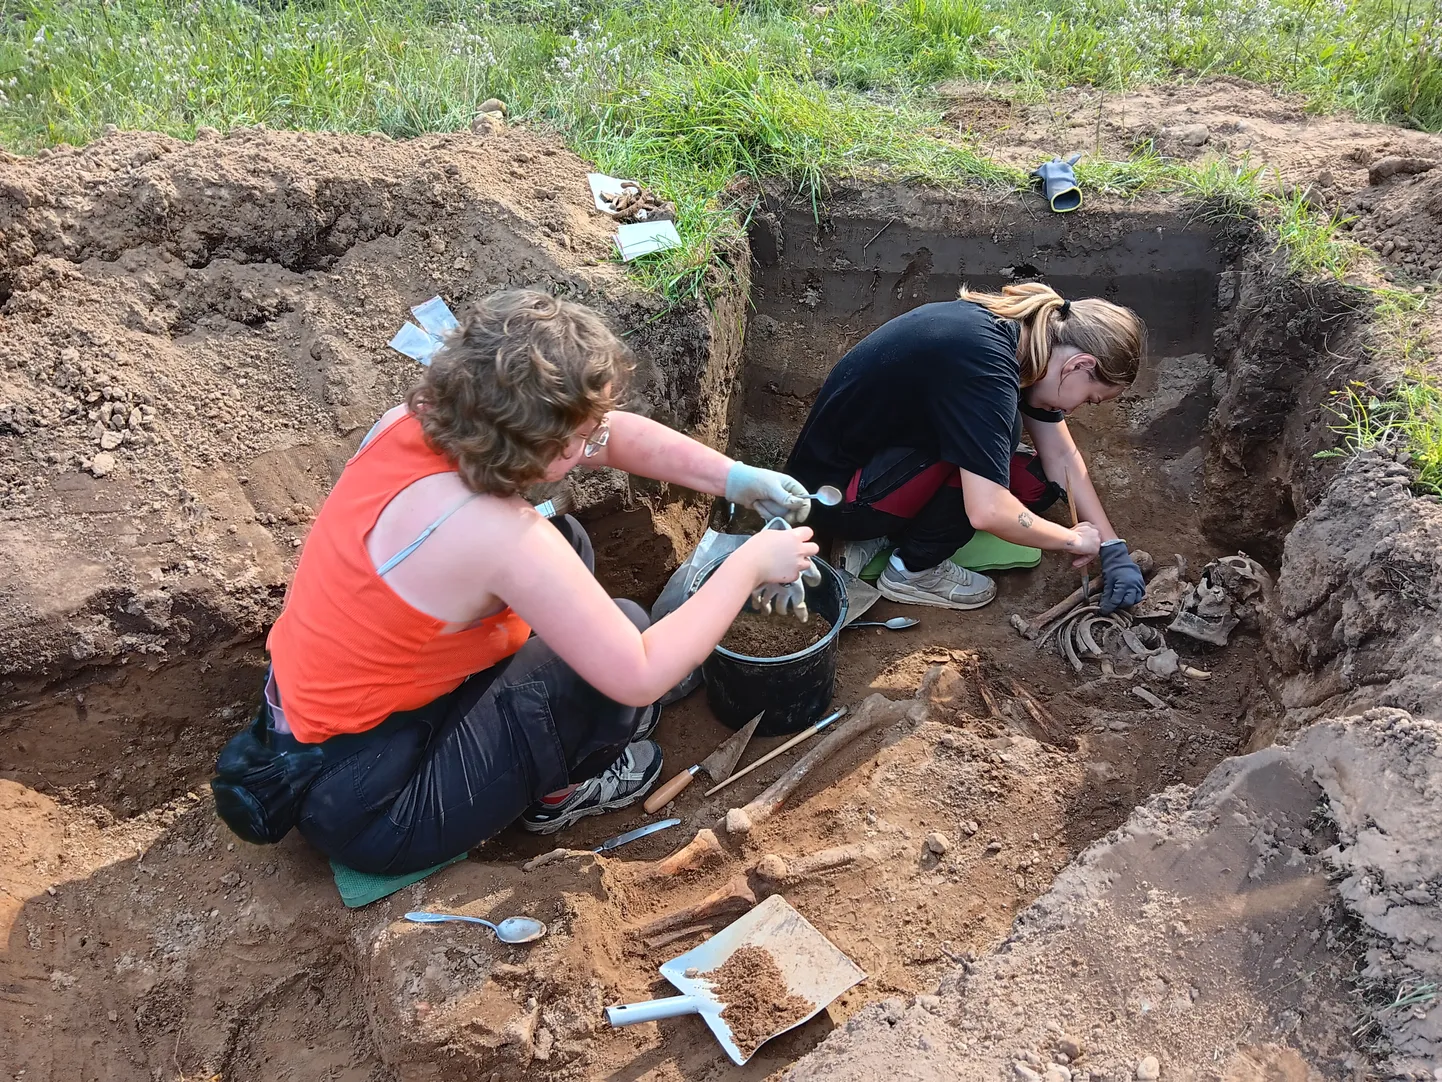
pixel 687 94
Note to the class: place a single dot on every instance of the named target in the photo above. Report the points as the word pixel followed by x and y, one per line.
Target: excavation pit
pixel 217 957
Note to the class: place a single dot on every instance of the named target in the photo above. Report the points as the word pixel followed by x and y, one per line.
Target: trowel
pixel 718 766
pixel 811 965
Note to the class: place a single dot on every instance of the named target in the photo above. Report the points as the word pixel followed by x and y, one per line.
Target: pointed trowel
pixel 718 766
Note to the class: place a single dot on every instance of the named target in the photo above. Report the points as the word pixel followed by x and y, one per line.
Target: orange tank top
pixel 347 651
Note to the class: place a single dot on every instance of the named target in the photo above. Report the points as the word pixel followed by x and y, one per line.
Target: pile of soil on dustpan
pixel 758 1002
pixel 755 635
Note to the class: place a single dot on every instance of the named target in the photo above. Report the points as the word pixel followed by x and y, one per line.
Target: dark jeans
pixel 427 784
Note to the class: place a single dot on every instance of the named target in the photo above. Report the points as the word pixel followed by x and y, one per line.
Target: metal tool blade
pixel 719 764
pixel 631 835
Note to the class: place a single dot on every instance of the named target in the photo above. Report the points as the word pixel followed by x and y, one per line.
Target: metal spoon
pixel 896 623
pixel 826 495
pixel 510 930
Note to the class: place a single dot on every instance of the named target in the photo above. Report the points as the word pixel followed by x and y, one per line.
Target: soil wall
pixel 194 341
pixel 819 288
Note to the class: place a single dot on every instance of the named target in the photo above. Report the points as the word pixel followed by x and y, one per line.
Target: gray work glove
pixel 1122 582
pixel 770 494
pixel 1058 181
pixel 785 598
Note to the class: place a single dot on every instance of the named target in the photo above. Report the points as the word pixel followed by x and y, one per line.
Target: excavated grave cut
pixel 324 990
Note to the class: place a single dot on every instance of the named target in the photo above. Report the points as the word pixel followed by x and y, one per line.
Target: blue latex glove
pixel 1058 180
pixel 770 494
pixel 1122 582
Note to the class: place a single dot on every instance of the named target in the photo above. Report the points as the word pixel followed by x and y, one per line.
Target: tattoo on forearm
pixel 1025 519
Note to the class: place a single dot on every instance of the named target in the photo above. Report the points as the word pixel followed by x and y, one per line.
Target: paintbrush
pixel 1071 505
pixel 562 503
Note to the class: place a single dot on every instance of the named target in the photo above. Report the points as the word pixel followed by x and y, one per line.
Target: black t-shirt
pixel 942 378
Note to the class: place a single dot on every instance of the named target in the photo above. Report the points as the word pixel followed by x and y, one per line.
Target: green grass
pixel 686 94
pixel 1405 418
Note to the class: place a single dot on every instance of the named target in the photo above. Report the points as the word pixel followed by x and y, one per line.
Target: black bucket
pixel 793 690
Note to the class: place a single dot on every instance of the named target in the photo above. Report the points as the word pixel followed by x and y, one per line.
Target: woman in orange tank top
pixel 410 713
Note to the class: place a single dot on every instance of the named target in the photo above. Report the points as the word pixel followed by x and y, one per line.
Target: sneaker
pixel 857 554
pixel 624 782
pixel 946 586
pixel 649 720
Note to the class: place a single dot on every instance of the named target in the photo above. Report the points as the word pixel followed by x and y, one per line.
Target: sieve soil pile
pixel 229 301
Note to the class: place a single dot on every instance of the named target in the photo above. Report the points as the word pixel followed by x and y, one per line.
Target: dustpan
pixel 813 967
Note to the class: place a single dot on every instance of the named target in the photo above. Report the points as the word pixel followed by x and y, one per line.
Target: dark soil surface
pixel 756 635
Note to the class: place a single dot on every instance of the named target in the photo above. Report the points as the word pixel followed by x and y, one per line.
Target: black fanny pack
pixel 261 777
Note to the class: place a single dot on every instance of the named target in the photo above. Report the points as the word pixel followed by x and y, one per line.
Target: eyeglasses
pixel 599 437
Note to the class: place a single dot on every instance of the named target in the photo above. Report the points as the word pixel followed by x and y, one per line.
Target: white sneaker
pixel 945 586
pixel 857 554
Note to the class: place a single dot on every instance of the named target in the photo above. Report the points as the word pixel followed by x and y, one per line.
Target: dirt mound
pixel 1338 161
pixel 195 342
pixel 1216 116
pixel 1207 934
pixel 196 337
pixel 1402 217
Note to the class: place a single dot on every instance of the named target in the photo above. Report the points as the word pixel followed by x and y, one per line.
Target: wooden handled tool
pixel 876 710
pixel 718 766
pixel 1071 505
pixel 804 734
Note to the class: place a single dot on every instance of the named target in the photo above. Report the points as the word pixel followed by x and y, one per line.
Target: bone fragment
pixel 1147 697
pixel 702 849
pixel 738 822
pixel 733 896
pixel 1053 731
pixel 877 711
pixel 781 870
pixel 667 938
pixel 553 856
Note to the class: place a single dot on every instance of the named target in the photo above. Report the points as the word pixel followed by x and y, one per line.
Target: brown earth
pixel 216 314
pixel 768 636
pixel 141 941
pixel 758 1002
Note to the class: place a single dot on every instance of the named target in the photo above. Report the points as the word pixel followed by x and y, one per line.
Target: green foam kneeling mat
pixel 358 888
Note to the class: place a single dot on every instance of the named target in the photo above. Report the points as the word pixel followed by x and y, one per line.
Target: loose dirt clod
pixel 756 635
pixel 758 1002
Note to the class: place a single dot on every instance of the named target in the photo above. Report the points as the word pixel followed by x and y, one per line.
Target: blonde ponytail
pixel 1114 335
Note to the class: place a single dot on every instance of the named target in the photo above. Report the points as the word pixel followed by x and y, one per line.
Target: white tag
pixel 636 239
pixel 415 343
pixel 435 317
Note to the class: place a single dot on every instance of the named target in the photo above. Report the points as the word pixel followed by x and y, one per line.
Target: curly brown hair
pixel 514 384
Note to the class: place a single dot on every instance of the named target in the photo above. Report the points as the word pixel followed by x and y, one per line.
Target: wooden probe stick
pixel 804 735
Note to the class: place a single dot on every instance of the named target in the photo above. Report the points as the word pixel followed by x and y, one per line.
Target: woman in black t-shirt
pixel 918 424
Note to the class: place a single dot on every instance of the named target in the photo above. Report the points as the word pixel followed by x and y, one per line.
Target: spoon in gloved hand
pixel 896 623
pixel 826 495
pixel 510 930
